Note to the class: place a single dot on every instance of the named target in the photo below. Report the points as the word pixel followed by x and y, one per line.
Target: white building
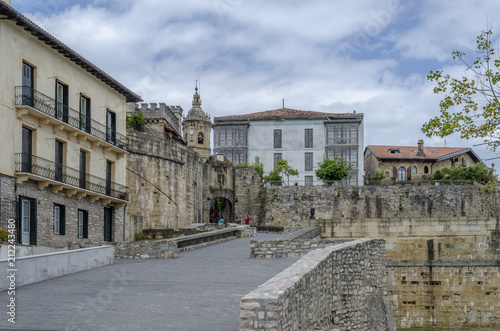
pixel 303 138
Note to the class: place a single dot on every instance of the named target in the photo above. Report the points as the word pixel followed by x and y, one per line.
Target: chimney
pixel 420 151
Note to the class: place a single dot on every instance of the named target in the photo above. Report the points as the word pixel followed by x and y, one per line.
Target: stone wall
pixel 288 206
pixel 165 181
pixel 338 287
pixel 247 188
pixel 271 249
pixel 45 217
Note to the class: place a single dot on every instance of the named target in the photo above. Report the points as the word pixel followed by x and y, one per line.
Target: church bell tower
pixel 197 127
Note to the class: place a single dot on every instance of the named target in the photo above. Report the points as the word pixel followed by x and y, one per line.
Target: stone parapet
pixel 335 288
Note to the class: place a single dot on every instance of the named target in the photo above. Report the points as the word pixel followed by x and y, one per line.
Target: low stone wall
pixel 295 244
pixel 338 287
pixel 35 268
pixel 170 248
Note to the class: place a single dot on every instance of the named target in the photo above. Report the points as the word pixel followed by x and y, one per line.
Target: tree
pixel 259 167
pixel 135 122
pixel 470 106
pixel 331 170
pixel 274 178
pixel 477 172
pixel 282 167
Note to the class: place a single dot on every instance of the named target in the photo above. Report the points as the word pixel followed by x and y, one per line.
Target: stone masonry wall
pixel 248 186
pixel 288 206
pixel 165 181
pixel 338 287
pixel 271 249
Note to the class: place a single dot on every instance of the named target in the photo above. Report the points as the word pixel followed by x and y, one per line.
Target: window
pixel 59 219
pixel 83 169
pixel 342 133
pixel 414 170
pixel 230 135
pixel 83 223
pixel 85 122
pixel 59 160
pixel 27 145
pixel 277 138
pixel 308 162
pixel 387 174
pixel 27 212
pixel 28 85
pixel 109 176
pixel 426 170
pixel 111 127
pixel 61 101
pixel 277 157
pixel 200 138
pixel 349 153
pixel 394 150
pixel 308 142
pixel 308 180
pixel 402 174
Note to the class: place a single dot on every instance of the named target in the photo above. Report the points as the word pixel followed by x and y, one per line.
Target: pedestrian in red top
pixel 247 221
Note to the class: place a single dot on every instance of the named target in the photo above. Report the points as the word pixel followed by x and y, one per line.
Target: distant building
pixel 303 138
pixel 62 134
pixel 414 163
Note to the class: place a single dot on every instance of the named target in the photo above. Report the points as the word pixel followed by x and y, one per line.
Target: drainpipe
pixel 124 218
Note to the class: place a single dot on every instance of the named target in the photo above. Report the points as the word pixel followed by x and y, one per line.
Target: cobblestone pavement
pixel 200 290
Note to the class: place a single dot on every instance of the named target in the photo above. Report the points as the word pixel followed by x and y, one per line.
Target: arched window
pixel 402 174
pixel 387 174
pixel 200 138
pixel 426 170
pixel 414 170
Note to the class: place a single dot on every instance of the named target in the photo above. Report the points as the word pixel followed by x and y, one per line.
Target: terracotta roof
pixel 410 152
pixel 60 47
pixel 286 112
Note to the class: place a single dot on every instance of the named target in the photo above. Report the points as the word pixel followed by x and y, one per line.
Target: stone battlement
pixel 172 114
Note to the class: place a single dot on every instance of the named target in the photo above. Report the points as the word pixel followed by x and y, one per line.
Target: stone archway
pixel 223 208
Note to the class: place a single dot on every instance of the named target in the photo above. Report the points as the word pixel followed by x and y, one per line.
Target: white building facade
pixel 303 138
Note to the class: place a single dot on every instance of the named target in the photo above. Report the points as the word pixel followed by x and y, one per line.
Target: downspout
pixel 124 218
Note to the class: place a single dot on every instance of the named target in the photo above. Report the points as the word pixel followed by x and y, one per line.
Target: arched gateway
pixel 219 193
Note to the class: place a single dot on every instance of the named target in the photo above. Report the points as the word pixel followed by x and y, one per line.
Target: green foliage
pixel 274 178
pixel 283 168
pixel 4 236
pixel 331 170
pixel 259 167
pixel 221 204
pixel 379 175
pixel 478 172
pixel 135 122
pixel 139 235
pixel 470 105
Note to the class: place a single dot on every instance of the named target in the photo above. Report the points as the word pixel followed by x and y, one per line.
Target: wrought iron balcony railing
pixel 27 96
pixel 50 170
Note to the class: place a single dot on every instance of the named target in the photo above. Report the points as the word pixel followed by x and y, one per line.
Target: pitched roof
pixel 60 47
pixel 286 112
pixel 410 152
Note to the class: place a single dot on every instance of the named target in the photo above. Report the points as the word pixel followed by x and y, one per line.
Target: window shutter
pixel 394 173
pixel 408 173
pixel 88 123
pixel 62 221
pixel 33 221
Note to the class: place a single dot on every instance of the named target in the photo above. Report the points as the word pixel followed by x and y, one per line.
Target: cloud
pixel 324 55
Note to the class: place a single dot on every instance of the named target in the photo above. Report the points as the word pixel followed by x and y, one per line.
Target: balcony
pixel 62 117
pixel 77 183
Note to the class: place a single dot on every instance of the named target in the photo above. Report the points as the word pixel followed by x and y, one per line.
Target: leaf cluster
pixel 478 172
pixel 333 170
pixel 470 105
pixel 282 169
pixel 135 122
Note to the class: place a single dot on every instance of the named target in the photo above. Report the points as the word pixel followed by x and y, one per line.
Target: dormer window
pixel 394 150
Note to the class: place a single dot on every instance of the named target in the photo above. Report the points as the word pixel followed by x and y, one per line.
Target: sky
pixel 318 55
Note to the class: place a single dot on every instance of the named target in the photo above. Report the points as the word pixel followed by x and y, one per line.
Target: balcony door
pixel 28 85
pixel 58 161
pixel 109 172
pixel 111 127
pixel 83 169
pixel 61 101
pixel 26 155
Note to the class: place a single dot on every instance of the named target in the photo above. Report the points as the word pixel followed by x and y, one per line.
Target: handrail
pixel 55 171
pixel 27 96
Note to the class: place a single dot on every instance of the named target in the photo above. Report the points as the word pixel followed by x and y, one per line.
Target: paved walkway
pixel 200 290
